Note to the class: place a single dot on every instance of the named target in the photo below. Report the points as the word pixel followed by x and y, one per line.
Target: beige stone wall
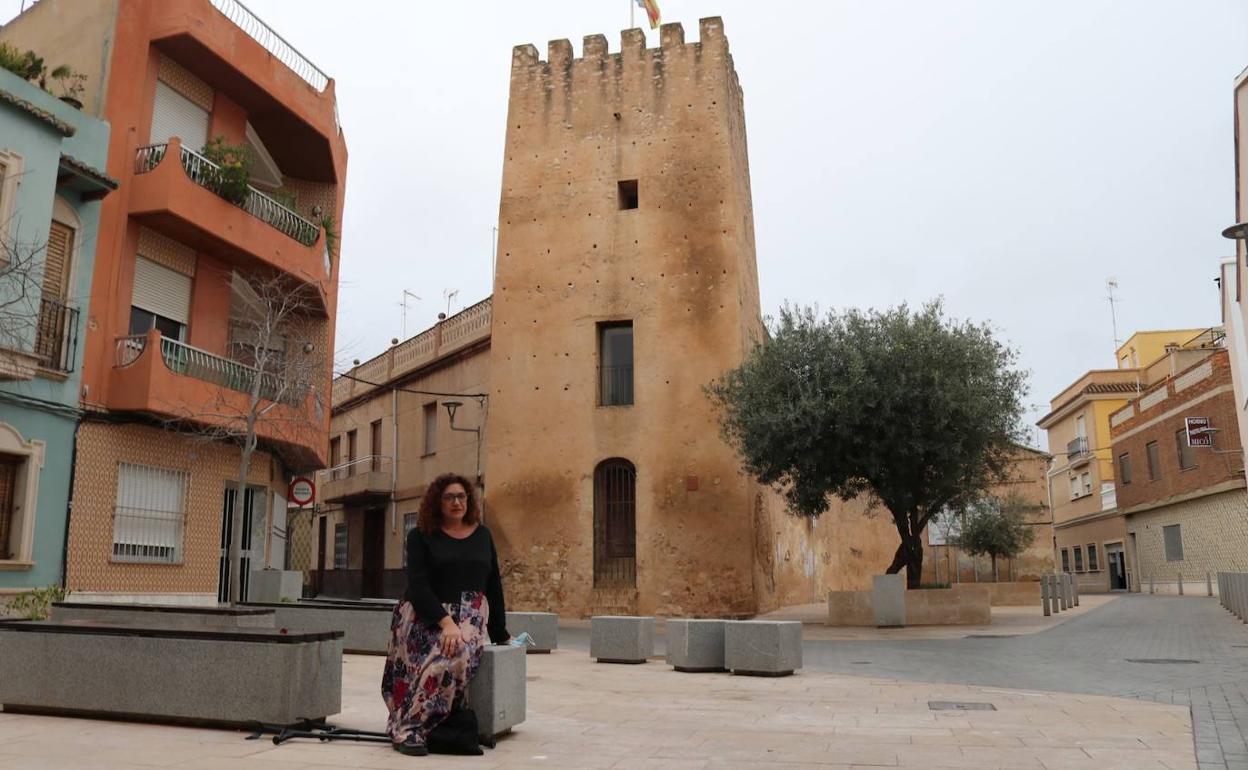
pixel 211 466
pixel 69 32
pixel 1102 532
pixel 1214 530
pixel 680 267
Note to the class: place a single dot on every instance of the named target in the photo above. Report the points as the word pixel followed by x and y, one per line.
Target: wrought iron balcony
pixel 184 359
pixel 208 175
pixel 1077 450
pixel 363 481
pixel 56 335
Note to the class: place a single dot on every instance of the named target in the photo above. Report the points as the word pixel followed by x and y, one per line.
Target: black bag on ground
pixel 457 734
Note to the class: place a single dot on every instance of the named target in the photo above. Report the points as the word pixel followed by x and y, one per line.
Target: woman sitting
pixel 454 595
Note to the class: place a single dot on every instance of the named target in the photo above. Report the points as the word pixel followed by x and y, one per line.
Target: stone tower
pixel 625 282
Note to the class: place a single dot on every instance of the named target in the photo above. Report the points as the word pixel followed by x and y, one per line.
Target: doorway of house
pixel 318 583
pixel 254 518
pixel 374 554
pixel 1117 562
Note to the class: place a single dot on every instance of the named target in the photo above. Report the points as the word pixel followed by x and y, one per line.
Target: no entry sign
pixel 302 490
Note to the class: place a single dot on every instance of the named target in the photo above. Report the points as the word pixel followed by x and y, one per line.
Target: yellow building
pixel 1089 530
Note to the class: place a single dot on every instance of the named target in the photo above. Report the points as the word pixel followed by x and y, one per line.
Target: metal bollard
pixel 1152 586
pixel 1070 591
pixel 1061 591
pixel 1209 584
pixel 1044 594
pixel 1074 588
pixel 1180 584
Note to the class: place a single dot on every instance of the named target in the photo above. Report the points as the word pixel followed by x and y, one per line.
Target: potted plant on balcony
pixel 231 177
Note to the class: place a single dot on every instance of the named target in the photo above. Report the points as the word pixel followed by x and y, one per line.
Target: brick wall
pixel 1214 531
pixel 1203 390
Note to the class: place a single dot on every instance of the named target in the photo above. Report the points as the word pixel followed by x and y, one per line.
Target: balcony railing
pixel 364 465
pixel 272 42
pixel 207 174
pixel 1077 449
pixel 56 336
pixel 183 359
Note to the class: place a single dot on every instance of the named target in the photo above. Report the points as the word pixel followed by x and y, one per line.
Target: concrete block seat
pixel 220 677
pixel 695 645
pixel 167 616
pixel 365 625
pixel 762 647
pixel 621 638
pixel 543 628
pixel 497 693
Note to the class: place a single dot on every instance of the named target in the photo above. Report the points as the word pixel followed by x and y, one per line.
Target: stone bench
pixel 695 645
pixel 365 626
pixel 218 677
pixel 166 616
pixel 543 628
pixel 762 647
pixel 497 693
pixel 621 639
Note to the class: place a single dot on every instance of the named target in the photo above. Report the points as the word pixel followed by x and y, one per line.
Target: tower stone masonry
pixel 625 201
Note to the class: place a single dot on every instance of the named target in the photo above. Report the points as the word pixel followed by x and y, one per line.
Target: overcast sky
pixel 1008 156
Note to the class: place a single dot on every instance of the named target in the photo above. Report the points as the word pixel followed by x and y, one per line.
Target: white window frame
pixel 25 495
pixel 153 524
pixel 12 166
pixel 346 545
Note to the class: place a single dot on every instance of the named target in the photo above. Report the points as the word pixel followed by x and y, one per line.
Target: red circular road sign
pixel 302 491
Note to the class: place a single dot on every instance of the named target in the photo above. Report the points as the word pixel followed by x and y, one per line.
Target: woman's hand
pixel 452 638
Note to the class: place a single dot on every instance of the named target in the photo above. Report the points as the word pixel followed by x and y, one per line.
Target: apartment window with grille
pixel 1154 461
pixel 148 518
pixel 374 436
pixel 1187 454
pixel 340 546
pixel 1173 537
pixel 1094 564
pixel 431 428
pixel 1124 468
pixel 1065 560
pixel 615 357
pixel 351 448
pixel 409 523
pixel 1078 558
pixel 10 468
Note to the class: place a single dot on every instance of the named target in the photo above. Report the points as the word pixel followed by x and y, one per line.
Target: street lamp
pixel 451 407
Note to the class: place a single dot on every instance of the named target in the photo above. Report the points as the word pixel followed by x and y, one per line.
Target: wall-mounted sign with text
pixel 1199 431
pixel 302 490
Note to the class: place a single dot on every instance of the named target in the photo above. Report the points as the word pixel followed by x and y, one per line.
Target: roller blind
pixel 56 265
pixel 162 291
pixel 175 115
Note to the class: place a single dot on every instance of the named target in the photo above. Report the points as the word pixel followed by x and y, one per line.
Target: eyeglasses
pixel 459 498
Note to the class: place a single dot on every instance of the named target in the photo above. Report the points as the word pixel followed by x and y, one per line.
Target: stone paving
pixel 1096 649
pixel 588 715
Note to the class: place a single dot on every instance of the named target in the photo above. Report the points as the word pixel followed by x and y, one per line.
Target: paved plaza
pixel 1074 694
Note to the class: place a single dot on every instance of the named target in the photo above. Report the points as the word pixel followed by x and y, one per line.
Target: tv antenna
pixel 406 294
pixel 1111 284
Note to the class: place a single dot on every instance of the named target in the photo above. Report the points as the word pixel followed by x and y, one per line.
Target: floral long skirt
pixel 420 684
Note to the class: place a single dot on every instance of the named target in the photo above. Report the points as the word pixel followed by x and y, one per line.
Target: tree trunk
pixel 909 555
pixel 996 576
pixel 899 561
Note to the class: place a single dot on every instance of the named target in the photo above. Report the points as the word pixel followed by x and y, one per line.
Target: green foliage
pixel 995 527
pixel 25 64
pixel 331 235
pixel 232 177
pixel 30 66
pixel 36 604
pixel 913 410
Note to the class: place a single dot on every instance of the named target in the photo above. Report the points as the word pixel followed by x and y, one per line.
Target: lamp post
pixel 451 407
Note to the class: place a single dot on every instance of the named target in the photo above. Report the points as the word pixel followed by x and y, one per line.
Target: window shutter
pixel 162 291
pixel 56 263
pixel 175 115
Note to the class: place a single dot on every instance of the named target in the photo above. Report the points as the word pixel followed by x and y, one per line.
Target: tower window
pixel 628 194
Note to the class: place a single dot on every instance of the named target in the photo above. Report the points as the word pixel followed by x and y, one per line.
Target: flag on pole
pixel 651 7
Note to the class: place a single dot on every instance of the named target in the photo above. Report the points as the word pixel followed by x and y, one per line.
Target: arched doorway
pixel 615 523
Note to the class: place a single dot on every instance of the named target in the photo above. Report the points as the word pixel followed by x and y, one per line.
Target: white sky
pixel 1007 155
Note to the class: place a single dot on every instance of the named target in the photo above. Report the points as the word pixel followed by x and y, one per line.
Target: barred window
pixel 1065 560
pixel 1094 564
pixel 340 546
pixel 1078 558
pixel 150 512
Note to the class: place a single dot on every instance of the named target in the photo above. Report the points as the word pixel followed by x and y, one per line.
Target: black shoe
pixel 411 747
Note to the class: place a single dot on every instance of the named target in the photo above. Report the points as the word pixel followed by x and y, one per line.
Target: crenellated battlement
pixel 632 46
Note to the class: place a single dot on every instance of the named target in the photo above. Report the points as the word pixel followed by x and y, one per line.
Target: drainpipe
pixel 394 459
pixel 69 506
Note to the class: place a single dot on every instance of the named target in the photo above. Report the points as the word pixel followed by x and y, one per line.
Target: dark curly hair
pixel 429 517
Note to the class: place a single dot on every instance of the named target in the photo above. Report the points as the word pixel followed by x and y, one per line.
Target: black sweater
pixel 440 568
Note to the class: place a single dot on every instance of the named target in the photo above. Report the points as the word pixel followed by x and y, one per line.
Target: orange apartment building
pixel 167 362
